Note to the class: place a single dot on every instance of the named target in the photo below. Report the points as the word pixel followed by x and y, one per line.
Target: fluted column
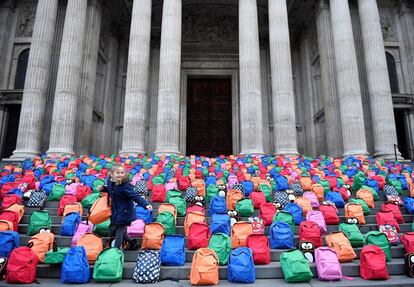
pixel 348 87
pixel 37 80
pixel 284 123
pixel 135 111
pixel 68 79
pixel 168 115
pixel 383 123
pixel 251 126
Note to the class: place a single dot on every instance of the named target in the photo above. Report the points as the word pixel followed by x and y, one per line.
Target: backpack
pixel 56 255
pixel 173 251
pixel 311 232
pixel 18 208
pixel 241 267
pixel 365 209
pixel 22 266
pixel 297 189
pixel 355 210
pixel 221 244
pixel 336 198
pixel 220 223
pixel 340 243
pixel 73 207
pixel 38 220
pixel 305 204
pixel 408 241
pixel 57 192
pixel 318 190
pixel 381 240
pixel 295 210
pixel 183 183
pixel 353 233
pixel 10 220
pixel 9 240
pixel 200 187
pixel 387 217
pixel 245 207
pixel 327 264
pixel 367 196
pixel 70 224
pixel 93 245
pixel 373 263
pixel 239 233
pixel 248 187
pixel 100 210
pixel 82 191
pixel 267 191
pixel 195 207
pixel 267 212
pixel 312 197
pixel 281 198
pixel 89 200
pixel 158 193
pixel 306 183
pixel 390 190
pixel 257 224
pixel 9 200
pixel 83 227
pixel 258 198
pixel 391 232
pixel 141 187
pixel 217 205
pixel 144 214
pixel 66 199
pixel 179 204
pixel 109 265
pixel 190 194
pixel 153 236
pixel 37 199
pixel 281 236
pixel 191 218
pixel 168 186
pixel 204 268
pixel 75 267
pixel 285 216
pixel 136 229
pixel 102 229
pixel 317 216
pixel 198 236
pixel 232 197
pixel 330 214
pixel 259 244
pixel 168 221
pixel 394 208
pixel 409 204
pixel 295 266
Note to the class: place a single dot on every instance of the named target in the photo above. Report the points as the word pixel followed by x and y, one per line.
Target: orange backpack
pixel 306 183
pixel 233 195
pixel 192 217
pixel 319 191
pixel 41 243
pixel 73 207
pixel 239 233
pixel 6 225
pixel 93 245
pixel 412 190
pixel 305 203
pixel 355 210
pixel 340 243
pixel 367 196
pixel 17 208
pixel 100 210
pixel 204 267
pixel 153 236
pixel 169 208
pixel 256 181
pixel 200 186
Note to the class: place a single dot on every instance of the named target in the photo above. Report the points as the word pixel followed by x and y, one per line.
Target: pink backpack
pixel 83 228
pixel 327 264
pixel 137 177
pixel 72 188
pixel 317 217
pixel 171 186
pixel 231 181
pixel 312 197
pixel 136 229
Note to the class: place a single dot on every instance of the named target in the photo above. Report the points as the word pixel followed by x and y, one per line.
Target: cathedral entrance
pixel 209 117
pixel 402 137
pixel 11 129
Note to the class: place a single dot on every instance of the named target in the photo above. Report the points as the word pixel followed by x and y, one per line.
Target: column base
pixel 252 152
pixel 356 153
pixel 162 151
pixel 131 152
pixel 388 156
pixel 59 152
pixel 21 154
pixel 288 153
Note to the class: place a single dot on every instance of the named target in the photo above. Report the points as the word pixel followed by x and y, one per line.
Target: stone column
pixel 37 81
pixel 348 87
pixel 383 122
pixel 136 94
pixel 406 19
pixel 284 123
pixel 62 132
pixel 7 20
pixel 168 114
pixel 251 126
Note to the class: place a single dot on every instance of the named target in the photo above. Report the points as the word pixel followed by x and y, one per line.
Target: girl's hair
pixel 119 166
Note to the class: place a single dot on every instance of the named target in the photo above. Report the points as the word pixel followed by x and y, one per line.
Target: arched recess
pixel 21 68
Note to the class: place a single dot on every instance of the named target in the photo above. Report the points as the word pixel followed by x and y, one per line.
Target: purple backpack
pixel 137 177
pixel 231 181
pixel 136 229
pixel 83 228
pixel 312 197
pixel 171 186
pixel 317 217
pixel 72 188
pixel 327 264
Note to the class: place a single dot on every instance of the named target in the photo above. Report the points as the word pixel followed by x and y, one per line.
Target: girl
pixel 123 196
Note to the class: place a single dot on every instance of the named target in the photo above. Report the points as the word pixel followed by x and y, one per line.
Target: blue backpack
pixel 409 204
pixel 282 183
pixel 372 183
pixel 241 267
pixel 144 214
pixel 210 180
pixel 47 188
pixel 296 211
pixel 45 180
pixel 217 205
pixel 70 224
pixel 8 241
pixel 336 198
pixel 220 223
pixel 88 180
pixel 173 251
pixel 281 236
pixel 75 267
pixel 248 187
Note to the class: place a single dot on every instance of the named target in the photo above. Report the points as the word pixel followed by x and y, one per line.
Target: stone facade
pixel 312 77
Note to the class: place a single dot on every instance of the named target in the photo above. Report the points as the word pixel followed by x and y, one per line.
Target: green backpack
pixel 172 193
pixel 56 256
pixel 212 191
pixel 267 192
pixel 373 191
pixel 57 192
pixel 397 184
pixel 245 207
pixel 365 208
pixel 167 219
pixel 157 180
pixel 179 204
pixel 109 265
pixel 295 266
pixel 381 240
pixel 287 217
pixel 326 186
pixel 353 233
pixel 221 244
pixel 96 184
pixel 38 220
pixel 359 180
pixel 102 229
pixel 89 200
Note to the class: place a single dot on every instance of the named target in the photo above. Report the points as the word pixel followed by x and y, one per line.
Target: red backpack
pixel 373 264
pixel 259 244
pixel 408 241
pixel 258 198
pixel 82 191
pixel 389 206
pixel 66 199
pixel 10 199
pixel 158 193
pixel 387 217
pixel 10 216
pixel 198 236
pixel 194 208
pixel 5 188
pixel 183 183
pixel 310 231
pixel 267 212
pixel 330 214
pixel 21 266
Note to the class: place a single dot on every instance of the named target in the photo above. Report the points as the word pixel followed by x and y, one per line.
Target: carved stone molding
pixel 25 23
pixel 388 26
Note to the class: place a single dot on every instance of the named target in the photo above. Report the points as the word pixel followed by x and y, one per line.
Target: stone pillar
pixel 406 19
pixel 328 76
pixel 62 132
pixel 136 94
pixel 284 123
pixel 348 87
pixel 251 126
pixel 7 19
pixel 168 114
pixel 383 122
pixel 37 81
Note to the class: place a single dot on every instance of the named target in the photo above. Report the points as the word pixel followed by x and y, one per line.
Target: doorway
pixel 401 126
pixel 209 117
pixel 11 130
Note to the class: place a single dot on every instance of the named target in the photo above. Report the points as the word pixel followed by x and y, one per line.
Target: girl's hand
pixel 149 207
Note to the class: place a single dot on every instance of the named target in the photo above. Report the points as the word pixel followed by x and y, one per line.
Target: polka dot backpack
pixel 148 267
pixel 141 187
pixel 190 194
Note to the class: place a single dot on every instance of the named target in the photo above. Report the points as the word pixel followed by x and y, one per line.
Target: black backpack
pixel 37 199
pixel 148 267
pixel 297 189
pixel 190 194
pixel 141 188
